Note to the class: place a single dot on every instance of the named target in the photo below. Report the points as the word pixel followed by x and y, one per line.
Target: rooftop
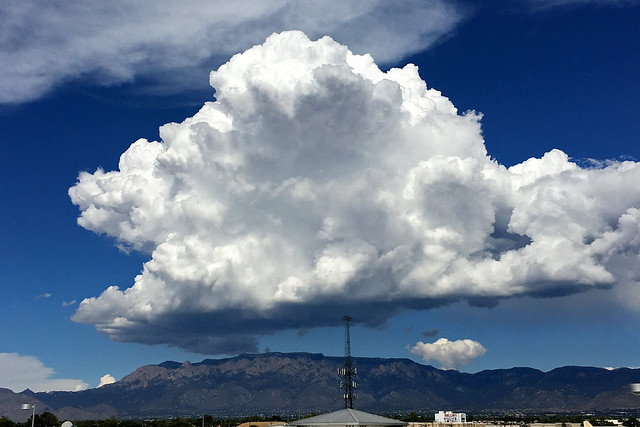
pixel 350 417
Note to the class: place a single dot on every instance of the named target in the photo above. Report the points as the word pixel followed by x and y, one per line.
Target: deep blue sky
pixel 559 77
pixel 562 78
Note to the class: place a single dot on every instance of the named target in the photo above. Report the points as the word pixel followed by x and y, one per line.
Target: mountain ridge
pixel 291 383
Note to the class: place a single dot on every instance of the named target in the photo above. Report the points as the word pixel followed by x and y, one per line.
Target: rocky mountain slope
pixel 292 383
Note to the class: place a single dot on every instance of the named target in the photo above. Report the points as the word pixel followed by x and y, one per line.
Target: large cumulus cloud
pixel 315 180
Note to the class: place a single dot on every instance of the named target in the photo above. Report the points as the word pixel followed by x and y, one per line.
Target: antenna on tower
pixel 348 372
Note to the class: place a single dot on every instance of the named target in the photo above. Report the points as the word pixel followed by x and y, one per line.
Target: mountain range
pixel 300 383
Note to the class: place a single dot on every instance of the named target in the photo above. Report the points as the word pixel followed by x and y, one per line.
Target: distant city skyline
pixel 487 220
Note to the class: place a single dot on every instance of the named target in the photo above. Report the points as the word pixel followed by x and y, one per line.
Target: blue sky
pixel 86 83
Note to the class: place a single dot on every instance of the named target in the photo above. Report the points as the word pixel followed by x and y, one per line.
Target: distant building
pixel 450 417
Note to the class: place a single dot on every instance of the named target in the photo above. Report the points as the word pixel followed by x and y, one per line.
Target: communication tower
pixel 349 371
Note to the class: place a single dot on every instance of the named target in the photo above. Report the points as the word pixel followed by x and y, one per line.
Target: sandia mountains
pixel 299 383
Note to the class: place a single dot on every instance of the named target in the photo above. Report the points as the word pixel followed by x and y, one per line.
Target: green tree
pixel 183 422
pixel 631 422
pixel 601 421
pixel 414 417
pixel 46 419
pixel 6 422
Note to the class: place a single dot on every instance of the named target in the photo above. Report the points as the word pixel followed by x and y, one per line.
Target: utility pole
pixel 28 406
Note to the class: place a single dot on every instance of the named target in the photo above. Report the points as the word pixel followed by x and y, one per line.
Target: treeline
pixel 524 420
pixel 47 419
pixel 559 420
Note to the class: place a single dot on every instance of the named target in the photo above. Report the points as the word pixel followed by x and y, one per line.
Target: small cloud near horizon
pixel 19 372
pixel 449 354
pixel 106 379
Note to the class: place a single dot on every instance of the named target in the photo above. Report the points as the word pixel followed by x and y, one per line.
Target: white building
pixel 450 417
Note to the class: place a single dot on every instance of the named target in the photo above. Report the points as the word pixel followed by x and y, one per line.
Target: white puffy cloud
pixel 44 44
pixel 317 182
pixel 449 354
pixel 18 373
pixel 106 379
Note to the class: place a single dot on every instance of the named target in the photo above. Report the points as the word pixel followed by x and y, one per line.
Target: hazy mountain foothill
pixel 300 383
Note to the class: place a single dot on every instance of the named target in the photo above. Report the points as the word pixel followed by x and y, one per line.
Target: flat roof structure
pixel 348 417
pixel 262 424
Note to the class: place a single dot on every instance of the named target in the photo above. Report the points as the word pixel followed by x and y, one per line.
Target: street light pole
pixel 33 416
